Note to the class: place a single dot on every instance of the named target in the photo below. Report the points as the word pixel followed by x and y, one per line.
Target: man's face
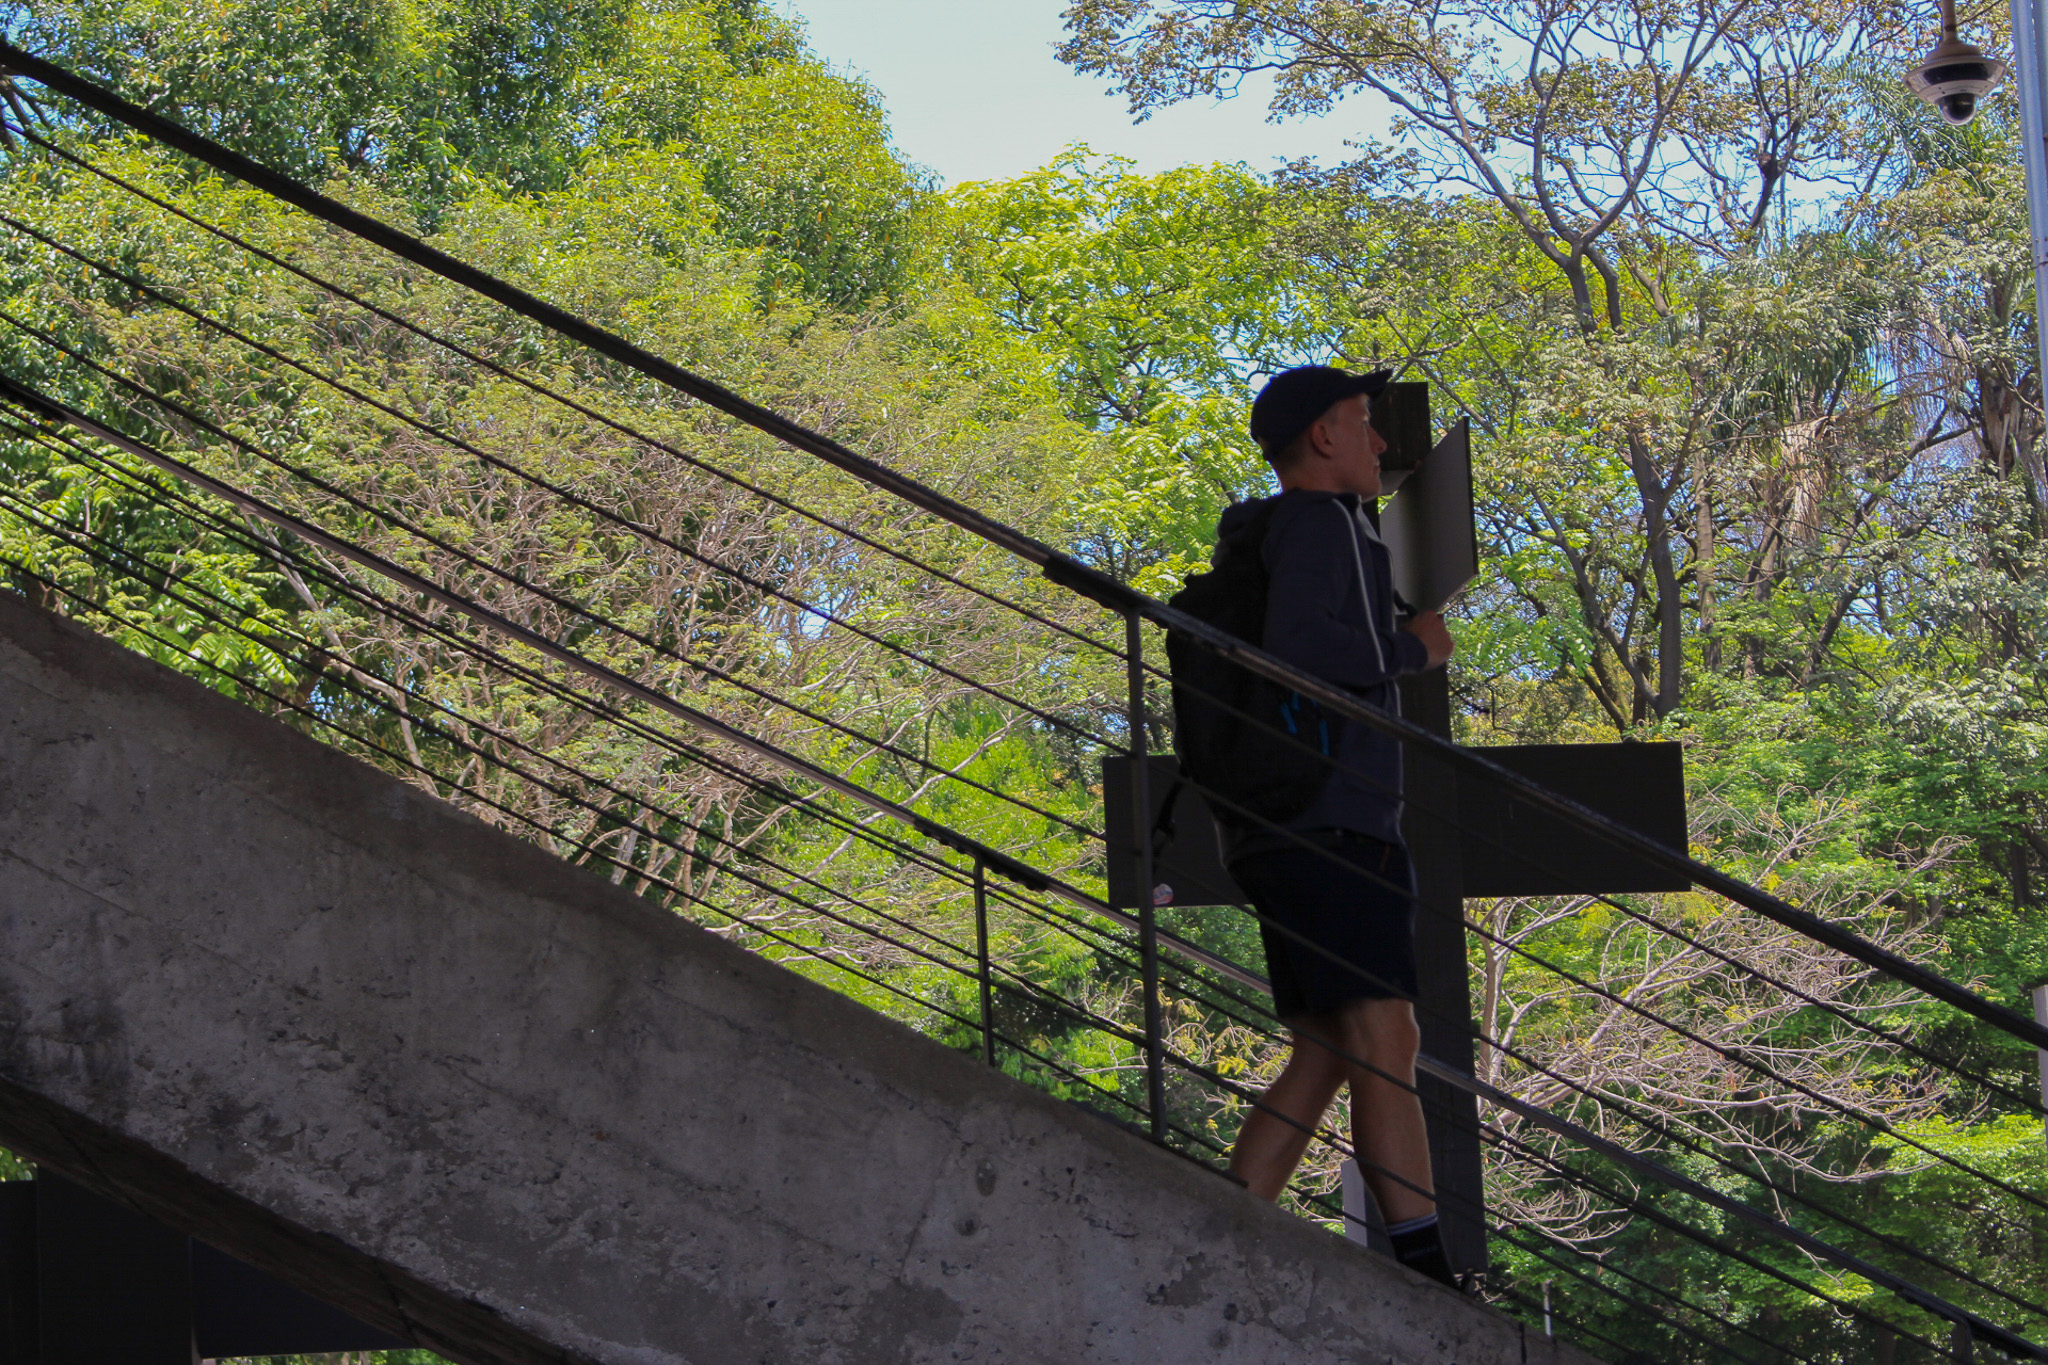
pixel 1352 447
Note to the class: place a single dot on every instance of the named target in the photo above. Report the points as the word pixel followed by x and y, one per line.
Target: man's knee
pixel 1322 1047
pixel 1383 1032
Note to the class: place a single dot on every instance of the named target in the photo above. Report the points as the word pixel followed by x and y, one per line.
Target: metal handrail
pixel 1060 568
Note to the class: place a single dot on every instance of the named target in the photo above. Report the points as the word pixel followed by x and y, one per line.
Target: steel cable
pixel 807 950
pixel 1670 1223
pixel 541 390
pixel 523 584
pixel 1099 1022
pixel 1880 965
pixel 143 289
pixel 379 605
pixel 1254 819
pixel 1736 1056
pixel 1034 991
pixel 1511 1231
pixel 1016 983
pixel 1627 909
pixel 1061 569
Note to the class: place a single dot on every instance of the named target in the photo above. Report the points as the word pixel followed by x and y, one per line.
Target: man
pixel 1330 611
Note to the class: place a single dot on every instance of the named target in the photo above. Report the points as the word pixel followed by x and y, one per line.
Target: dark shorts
pixel 1363 921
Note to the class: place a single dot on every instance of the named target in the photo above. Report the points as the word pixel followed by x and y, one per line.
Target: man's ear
pixel 1322 436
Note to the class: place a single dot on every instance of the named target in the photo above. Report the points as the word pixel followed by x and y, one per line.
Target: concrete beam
pixel 474 1095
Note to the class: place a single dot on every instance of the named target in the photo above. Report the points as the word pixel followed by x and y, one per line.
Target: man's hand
pixel 1429 628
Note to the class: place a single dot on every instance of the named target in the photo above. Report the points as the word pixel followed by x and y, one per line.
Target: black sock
pixel 1419 1245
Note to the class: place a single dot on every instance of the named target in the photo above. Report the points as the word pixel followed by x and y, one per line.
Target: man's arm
pixel 1313 562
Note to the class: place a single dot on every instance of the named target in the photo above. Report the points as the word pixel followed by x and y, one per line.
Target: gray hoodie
pixel 1330 612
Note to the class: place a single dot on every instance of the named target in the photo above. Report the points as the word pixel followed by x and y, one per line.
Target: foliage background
pixel 1746 339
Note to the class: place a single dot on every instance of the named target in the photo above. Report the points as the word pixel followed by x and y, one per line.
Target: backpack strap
pixel 1164 830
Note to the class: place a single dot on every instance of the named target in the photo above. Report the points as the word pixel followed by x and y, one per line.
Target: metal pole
pixel 988 1007
pixel 2041 1017
pixel 2028 68
pixel 1444 998
pixel 1141 825
pixel 1360 1223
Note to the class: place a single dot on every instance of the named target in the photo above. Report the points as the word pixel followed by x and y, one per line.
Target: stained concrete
pixel 473 1094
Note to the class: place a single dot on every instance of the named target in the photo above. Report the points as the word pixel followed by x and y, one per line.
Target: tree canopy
pixel 1745 336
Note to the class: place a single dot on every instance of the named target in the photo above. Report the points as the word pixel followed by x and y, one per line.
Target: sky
pixel 975 93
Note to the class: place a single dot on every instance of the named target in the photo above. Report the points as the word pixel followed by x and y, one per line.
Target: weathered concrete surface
pixel 471 1093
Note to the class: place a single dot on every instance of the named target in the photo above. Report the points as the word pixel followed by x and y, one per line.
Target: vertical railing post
pixel 1141 825
pixel 981 967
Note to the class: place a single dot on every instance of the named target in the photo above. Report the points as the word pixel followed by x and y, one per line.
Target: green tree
pixel 1158 300
pixel 435 101
pixel 1643 155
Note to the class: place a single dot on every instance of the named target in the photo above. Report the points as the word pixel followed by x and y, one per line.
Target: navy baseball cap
pixel 1293 399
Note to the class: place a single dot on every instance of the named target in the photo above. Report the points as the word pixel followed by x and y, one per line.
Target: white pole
pixel 2029 65
pixel 1357 1208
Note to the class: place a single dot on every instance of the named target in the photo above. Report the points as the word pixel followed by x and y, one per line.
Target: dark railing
pixel 980 962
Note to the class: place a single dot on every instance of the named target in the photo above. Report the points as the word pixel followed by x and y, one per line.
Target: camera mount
pixel 1953 75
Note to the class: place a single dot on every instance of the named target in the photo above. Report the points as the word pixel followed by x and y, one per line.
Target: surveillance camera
pixel 1952 77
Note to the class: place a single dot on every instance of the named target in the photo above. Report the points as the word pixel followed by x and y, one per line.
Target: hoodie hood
pixel 1239 527
pixel 1239 515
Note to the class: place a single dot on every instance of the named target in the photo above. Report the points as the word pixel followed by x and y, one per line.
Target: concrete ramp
pixel 477 1097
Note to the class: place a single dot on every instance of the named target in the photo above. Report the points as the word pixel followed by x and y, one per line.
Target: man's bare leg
pixel 1386 1120
pixel 1387 1128
pixel 1274 1136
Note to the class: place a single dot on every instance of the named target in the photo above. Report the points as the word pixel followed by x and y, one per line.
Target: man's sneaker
pixel 1419 1245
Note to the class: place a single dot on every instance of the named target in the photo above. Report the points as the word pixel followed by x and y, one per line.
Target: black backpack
pixel 1228 722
